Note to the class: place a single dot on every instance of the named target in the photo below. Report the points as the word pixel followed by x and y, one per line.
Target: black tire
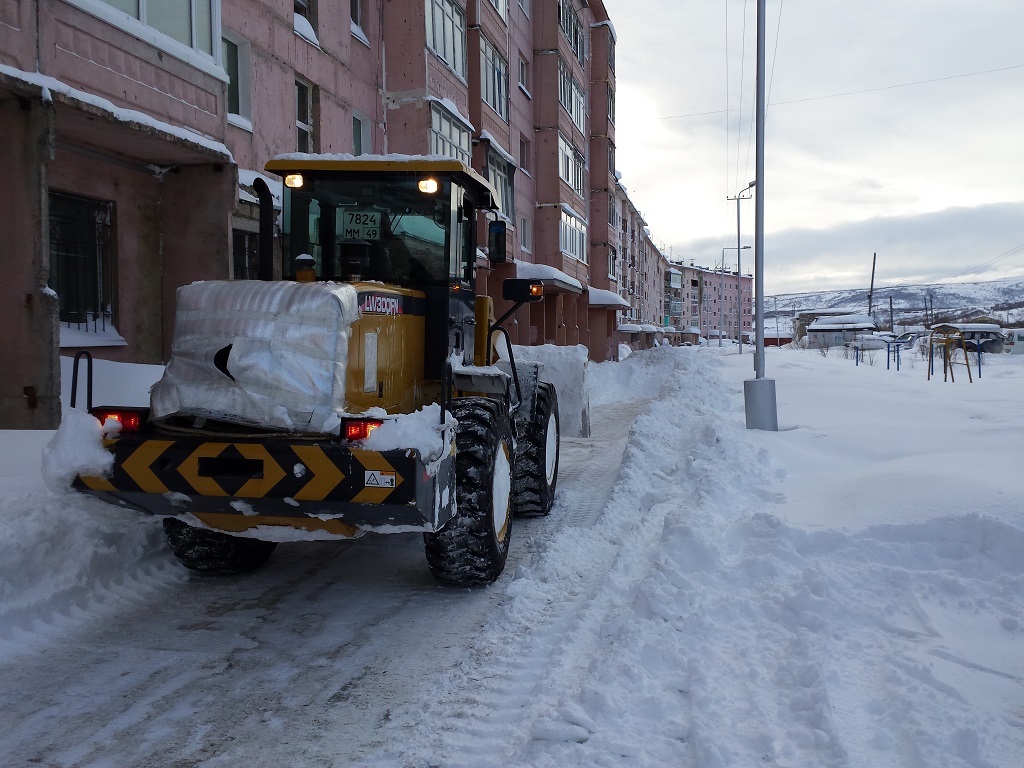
pixel 537 456
pixel 472 548
pixel 207 551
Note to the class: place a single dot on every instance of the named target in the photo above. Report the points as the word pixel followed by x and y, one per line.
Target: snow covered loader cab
pixel 358 394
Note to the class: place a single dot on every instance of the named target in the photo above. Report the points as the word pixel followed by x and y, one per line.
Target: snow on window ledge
pixel 305 30
pixel 358 34
pixel 240 122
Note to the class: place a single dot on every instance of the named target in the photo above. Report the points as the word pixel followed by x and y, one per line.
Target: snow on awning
pixel 843 323
pixel 549 276
pixel 599 297
pixel 629 328
pixel 496 146
pixel 648 328
pixel 245 190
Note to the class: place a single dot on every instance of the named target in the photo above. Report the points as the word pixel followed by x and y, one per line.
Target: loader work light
pixel 293 180
pixel 427 186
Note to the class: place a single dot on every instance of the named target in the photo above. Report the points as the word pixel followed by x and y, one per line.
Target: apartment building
pixel 135 129
pixel 717 303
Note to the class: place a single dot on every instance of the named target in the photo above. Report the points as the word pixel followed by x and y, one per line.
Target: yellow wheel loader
pixel 358 394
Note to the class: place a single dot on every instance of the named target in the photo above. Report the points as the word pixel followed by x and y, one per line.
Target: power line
pixel 855 93
pixel 1016 249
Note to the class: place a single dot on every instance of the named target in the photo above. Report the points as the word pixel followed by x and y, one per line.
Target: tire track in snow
pixel 476 717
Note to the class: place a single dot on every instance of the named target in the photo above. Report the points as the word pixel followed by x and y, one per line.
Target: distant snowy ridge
pixel 1004 297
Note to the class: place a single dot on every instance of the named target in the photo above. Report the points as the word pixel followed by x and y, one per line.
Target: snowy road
pixel 847 592
pixel 317 648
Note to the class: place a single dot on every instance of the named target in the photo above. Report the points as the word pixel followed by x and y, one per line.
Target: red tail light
pixel 360 429
pixel 131 421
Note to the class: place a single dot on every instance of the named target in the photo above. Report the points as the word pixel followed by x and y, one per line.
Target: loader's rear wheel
pixel 537 456
pixel 472 548
pixel 207 551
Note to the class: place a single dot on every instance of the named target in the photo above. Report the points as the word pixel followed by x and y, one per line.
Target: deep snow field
pixel 845 592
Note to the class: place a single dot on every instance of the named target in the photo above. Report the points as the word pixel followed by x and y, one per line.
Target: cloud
pixel 878 120
pixel 965 244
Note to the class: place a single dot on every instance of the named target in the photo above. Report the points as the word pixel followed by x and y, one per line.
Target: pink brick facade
pixel 524 91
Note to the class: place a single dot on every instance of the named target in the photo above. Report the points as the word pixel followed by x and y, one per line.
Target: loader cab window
pixel 372 228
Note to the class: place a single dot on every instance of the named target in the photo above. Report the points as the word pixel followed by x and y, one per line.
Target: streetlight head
pixel 752 184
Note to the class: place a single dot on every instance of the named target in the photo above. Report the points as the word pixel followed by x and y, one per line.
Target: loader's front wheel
pixel 472 548
pixel 537 456
pixel 205 551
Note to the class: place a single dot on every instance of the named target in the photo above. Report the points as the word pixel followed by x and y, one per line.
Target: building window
pixel 446 33
pixel 525 161
pixel 525 5
pixel 499 173
pixel 572 236
pixel 494 78
pixel 571 96
pixel 524 73
pixel 572 166
pixel 501 6
pixel 611 104
pixel 572 28
pixel 361 139
pixel 448 136
pixel 304 123
pixel 235 53
pixel 525 234
pixel 193 23
pixel 244 255
pixel 357 12
pixel 612 263
pixel 81 260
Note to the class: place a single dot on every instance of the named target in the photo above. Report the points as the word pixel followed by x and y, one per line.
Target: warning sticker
pixel 376 479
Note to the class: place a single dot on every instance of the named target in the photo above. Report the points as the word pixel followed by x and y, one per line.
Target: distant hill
pixel 1002 300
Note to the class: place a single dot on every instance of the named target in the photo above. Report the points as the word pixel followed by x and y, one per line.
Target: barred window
pixel 494 78
pixel 448 136
pixel 571 96
pixel 244 254
pixel 81 260
pixel 572 166
pixel 446 33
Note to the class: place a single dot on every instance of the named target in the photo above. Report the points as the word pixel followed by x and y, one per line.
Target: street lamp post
pixel 721 287
pixel 739 272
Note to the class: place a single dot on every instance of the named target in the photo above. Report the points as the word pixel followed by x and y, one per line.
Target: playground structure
pixel 949 340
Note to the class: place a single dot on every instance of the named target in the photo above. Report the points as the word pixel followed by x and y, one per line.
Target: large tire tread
pixel 213 552
pixel 468 550
pixel 534 495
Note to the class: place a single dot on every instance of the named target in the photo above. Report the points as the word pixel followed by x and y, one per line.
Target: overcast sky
pixel 894 127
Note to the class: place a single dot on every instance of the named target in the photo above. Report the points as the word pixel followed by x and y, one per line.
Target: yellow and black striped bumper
pixel 235 485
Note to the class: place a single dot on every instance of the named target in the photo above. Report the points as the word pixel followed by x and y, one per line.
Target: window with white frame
pixel 572 28
pixel 524 72
pixel 235 55
pixel 193 23
pixel 499 173
pixel 501 6
pixel 494 78
pixel 572 166
pixel 571 96
pixel 361 138
pixel 525 234
pixel 304 120
pixel 611 103
pixel 612 263
pixel 572 236
pixel 448 136
pixel 525 5
pixel 357 12
pixel 446 33
pixel 525 161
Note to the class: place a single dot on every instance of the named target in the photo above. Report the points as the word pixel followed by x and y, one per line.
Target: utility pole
pixel 739 271
pixel 759 392
pixel 871 290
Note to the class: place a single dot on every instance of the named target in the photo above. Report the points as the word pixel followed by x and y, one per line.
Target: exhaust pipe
pixel 265 257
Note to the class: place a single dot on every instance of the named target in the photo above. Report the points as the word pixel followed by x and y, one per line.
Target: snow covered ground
pixel 848 591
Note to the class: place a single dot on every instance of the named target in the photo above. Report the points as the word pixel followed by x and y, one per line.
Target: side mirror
pixel 522 290
pixel 496 242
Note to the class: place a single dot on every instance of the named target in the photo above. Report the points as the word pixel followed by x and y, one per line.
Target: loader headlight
pixel 427 186
pixel 293 180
